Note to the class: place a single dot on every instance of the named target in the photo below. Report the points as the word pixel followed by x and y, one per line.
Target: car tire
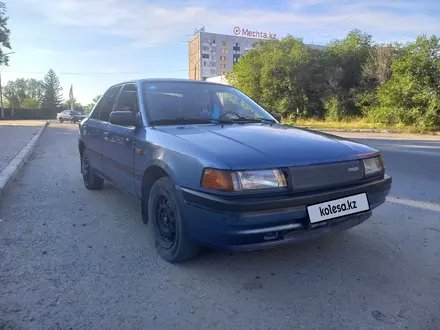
pixel 72 121
pixel 91 180
pixel 61 120
pixel 164 215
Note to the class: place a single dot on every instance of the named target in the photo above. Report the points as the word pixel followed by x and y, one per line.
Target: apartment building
pixel 212 54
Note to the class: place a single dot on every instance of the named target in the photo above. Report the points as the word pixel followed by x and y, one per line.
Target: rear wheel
pixel 172 240
pixel 91 180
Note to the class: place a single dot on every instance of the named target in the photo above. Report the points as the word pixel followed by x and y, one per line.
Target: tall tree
pixel 4 34
pixel 52 97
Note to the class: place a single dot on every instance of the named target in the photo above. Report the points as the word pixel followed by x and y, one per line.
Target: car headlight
pixel 242 180
pixel 373 165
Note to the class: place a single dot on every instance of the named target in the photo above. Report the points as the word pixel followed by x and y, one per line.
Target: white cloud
pixel 152 24
pixel 52 52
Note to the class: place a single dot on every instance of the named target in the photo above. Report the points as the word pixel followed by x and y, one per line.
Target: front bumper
pixel 262 222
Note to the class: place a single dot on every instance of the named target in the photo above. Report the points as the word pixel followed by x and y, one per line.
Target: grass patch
pixel 352 124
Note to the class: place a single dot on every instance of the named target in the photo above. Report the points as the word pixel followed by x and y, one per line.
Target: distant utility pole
pixel 71 97
pixel 2 114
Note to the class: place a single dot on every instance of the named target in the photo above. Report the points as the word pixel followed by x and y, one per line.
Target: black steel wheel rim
pixel 85 170
pixel 165 221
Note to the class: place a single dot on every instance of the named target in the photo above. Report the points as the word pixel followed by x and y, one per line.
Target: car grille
pixel 311 177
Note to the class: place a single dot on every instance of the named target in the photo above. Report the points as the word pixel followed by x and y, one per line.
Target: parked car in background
pixel 72 116
pixel 211 167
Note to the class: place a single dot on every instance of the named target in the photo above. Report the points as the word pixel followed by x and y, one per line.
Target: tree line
pixel 35 94
pixel 351 78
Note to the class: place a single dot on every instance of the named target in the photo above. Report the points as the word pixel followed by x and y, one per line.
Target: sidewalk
pixel 17 141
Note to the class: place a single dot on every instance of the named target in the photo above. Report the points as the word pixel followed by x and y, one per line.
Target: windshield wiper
pixel 185 120
pixel 252 120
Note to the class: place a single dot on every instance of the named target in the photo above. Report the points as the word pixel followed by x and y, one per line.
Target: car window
pixel 106 106
pixel 233 104
pixel 198 101
pixel 128 99
pixel 95 112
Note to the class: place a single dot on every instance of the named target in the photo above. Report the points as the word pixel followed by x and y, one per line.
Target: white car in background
pixel 72 116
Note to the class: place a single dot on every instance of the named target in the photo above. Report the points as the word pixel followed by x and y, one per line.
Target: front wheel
pixel 61 120
pixel 172 240
pixel 91 180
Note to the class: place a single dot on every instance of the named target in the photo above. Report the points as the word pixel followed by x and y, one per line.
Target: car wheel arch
pixel 81 147
pixel 153 173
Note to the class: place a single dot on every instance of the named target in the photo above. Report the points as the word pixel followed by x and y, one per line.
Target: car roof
pixel 147 80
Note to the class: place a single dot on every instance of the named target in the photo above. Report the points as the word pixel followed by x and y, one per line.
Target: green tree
pixel 89 107
pixel 377 70
pixel 20 89
pixel 76 105
pixel 344 61
pixel 52 97
pixel 30 103
pixel 412 95
pixel 281 75
pixel 4 34
pixel 349 78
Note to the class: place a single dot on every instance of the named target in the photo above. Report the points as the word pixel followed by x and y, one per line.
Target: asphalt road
pixel 76 259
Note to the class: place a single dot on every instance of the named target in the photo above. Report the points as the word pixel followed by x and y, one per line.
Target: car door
pixel 118 147
pixel 94 128
pixel 68 115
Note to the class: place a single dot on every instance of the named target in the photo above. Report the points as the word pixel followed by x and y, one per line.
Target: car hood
pixel 264 146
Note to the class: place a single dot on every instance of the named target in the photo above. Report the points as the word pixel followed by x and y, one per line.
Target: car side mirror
pixel 123 118
pixel 276 115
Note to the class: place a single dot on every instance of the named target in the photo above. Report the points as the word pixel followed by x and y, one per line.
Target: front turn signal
pixel 219 180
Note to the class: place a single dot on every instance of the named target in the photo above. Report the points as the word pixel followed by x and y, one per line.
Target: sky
pixel 92 44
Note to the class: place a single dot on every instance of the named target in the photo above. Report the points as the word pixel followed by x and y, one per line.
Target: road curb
pixel 11 171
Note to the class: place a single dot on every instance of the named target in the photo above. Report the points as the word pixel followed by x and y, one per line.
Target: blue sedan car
pixel 210 167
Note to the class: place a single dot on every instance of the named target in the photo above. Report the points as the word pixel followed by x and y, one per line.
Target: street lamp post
pixel 2 115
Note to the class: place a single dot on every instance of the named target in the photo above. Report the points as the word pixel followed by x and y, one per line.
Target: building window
pixel 223 43
pixel 224 51
pixel 205 55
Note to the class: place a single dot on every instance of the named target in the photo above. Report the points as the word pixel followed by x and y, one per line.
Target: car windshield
pixel 169 103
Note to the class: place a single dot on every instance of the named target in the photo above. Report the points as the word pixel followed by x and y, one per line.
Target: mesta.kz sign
pixel 256 34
